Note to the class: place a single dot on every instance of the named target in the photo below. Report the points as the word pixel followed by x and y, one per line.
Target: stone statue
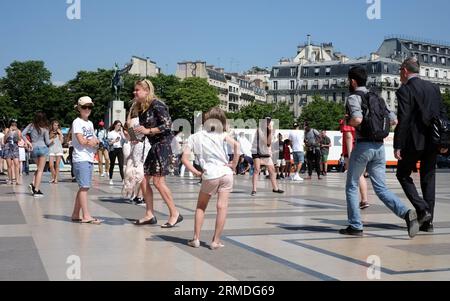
pixel 117 81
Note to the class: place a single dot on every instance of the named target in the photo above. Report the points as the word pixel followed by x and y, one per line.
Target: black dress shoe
pixel 151 221
pixel 424 217
pixel 412 223
pixel 168 225
pixel 278 191
pixel 351 231
pixel 427 227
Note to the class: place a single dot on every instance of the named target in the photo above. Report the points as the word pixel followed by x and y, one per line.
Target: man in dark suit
pixel 418 102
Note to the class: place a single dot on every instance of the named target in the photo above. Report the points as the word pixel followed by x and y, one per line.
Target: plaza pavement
pixel 267 237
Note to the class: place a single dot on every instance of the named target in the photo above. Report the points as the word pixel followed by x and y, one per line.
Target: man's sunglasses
pixel 86 107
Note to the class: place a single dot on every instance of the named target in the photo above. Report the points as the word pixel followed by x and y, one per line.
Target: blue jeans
pixel 370 155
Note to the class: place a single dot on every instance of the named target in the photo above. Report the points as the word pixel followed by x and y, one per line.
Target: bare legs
pixel 54 168
pixel 222 210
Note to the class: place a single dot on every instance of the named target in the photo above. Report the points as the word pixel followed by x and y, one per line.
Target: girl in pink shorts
pixel 217 175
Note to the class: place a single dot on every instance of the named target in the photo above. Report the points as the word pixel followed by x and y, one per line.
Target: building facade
pixel 318 70
pixel 234 91
pixel 144 67
pixel 433 56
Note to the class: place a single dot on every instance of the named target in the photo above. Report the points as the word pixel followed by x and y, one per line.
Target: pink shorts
pixel 223 184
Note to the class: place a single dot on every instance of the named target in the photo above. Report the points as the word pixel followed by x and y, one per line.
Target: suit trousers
pixel 405 167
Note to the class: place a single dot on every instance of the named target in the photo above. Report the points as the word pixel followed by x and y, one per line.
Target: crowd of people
pixel 148 150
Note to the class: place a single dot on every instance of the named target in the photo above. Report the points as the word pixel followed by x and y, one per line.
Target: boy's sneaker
pixel 38 194
pixel 111 182
pixel 253 193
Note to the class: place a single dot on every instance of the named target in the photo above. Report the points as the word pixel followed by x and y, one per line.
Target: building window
pixel 425 58
pixel 434 59
pixel 230 88
pixel 420 47
pixel 436 73
pixel 429 48
pixel 316 85
pixel 304 85
pixel 386 69
pixel 327 84
pixel 293 72
pixel 438 49
pixel 292 85
pixel 389 95
pixel 427 72
pixel 334 84
pixel 275 72
pixel 327 71
pixel 316 71
pixel 275 85
pixel 445 74
pixel 443 60
pixel 374 68
pixel 410 46
pixel 305 71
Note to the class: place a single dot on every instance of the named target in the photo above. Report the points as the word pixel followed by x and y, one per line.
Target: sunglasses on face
pixel 86 107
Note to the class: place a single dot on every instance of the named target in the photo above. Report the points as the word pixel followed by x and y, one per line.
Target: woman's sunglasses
pixel 86 107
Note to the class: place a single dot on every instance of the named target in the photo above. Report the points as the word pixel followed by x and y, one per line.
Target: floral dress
pixel 160 154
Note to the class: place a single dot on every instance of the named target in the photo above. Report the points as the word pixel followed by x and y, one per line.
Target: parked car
pixel 443 161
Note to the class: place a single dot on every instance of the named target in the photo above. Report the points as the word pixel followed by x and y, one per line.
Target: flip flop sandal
pixel 92 222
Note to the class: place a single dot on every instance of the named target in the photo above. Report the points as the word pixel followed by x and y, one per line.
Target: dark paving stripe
pixel 20 260
pixel 243 262
pixel 11 213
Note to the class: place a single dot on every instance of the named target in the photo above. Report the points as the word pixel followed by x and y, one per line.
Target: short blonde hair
pixel 147 85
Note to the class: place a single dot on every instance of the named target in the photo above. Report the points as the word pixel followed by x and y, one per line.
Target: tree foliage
pixel 322 114
pixel 257 111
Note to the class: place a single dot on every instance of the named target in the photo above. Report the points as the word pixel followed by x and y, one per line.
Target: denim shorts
pixel 39 151
pixel 299 157
pixel 83 173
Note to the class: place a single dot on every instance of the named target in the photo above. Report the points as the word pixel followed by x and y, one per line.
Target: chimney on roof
pixel 374 56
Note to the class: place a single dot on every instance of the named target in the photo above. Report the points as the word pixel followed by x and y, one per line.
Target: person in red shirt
pixel 348 142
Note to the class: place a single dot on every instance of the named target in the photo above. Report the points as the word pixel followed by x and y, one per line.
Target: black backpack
pixel 376 123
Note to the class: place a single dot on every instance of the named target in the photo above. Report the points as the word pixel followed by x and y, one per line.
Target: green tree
pixel 192 94
pixel 257 111
pixel 322 114
pixel 7 110
pixel 165 86
pixel 28 85
pixel 446 99
pixel 97 85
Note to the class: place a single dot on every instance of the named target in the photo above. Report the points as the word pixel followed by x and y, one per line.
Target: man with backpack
pixel 368 113
pixel 418 102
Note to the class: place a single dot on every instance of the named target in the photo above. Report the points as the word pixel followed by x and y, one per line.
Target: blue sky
pixel 237 34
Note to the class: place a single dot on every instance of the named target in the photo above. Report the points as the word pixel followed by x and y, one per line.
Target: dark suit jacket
pixel 418 102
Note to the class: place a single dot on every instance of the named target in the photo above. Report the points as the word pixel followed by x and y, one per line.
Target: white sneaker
pixel 111 182
pixel 297 178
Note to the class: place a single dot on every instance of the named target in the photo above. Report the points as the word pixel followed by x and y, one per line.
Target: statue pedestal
pixel 116 111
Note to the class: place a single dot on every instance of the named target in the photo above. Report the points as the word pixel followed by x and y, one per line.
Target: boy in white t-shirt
pixel 84 147
pixel 209 148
